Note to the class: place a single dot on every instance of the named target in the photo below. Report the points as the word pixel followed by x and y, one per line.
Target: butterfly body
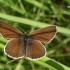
pixel 25 40
pixel 23 44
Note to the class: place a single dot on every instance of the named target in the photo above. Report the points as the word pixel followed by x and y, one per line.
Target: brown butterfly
pixel 23 44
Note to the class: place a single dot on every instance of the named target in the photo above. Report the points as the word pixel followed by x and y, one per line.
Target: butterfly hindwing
pixel 35 49
pixel 15 48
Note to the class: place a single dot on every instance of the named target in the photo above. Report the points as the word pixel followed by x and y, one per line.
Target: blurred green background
pixel 27 15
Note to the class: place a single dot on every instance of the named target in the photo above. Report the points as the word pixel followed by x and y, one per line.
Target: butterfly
pixel 26 45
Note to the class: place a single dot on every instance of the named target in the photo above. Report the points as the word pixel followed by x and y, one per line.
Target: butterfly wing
pixel 44 35
pixel 35 49
pixel 8 31
pixel 15 48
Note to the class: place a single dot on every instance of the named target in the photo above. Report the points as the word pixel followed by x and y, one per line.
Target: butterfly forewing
pixel 35 49
pixel 15 48
pixel 44 35
pixel 8 31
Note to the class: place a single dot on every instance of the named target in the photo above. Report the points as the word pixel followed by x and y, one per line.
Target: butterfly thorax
pixel 24 39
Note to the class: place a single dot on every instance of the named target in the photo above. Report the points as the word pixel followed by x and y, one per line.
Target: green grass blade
pixel 63 30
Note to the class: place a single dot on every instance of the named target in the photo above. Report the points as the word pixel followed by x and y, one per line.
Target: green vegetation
pixel 27 15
